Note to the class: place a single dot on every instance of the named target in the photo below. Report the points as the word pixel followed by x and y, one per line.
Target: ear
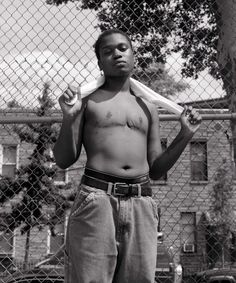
pixel 100 65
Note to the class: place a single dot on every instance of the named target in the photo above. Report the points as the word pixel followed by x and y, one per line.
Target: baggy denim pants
pixel 111 239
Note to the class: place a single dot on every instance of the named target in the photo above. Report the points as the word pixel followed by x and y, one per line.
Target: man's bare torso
pixel 115 134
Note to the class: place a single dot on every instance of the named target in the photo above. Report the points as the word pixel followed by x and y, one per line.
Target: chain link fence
pixel 45 47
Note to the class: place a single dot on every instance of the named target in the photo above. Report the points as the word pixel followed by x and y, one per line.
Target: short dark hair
pixel 106 33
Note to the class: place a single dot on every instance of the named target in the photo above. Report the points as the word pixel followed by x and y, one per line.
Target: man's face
pixel 116 55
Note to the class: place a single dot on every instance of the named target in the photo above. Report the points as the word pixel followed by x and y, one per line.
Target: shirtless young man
pixel 112 229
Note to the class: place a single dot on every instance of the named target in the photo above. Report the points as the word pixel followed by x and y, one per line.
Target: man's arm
pixel 160 162
pixel 68 145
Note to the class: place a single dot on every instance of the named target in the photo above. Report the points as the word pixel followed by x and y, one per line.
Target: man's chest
pixel 129 113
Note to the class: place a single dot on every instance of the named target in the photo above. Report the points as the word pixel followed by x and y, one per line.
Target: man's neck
pixel 121 84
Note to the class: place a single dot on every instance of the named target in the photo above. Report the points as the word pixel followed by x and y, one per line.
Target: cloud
pixel 23 75
pixel 205 87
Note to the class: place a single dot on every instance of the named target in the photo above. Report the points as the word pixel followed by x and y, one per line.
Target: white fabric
pixel 139 90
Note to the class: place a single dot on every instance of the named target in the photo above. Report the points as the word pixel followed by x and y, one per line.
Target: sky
pixel 40 42
pixel 205 87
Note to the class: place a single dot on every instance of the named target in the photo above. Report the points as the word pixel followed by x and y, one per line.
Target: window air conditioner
pixel 189 248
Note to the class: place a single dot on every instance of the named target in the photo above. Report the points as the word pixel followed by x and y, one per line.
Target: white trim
pixel 49 237
pixel 1 157
pixel 188 247
pixel 67 214
pixel 14 244
pixel 66 178
pixel 16 157
pixel 48 240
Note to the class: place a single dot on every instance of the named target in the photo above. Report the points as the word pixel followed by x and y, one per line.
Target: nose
pixel 116 53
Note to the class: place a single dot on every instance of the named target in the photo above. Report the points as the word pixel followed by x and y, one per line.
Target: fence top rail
pixel 58 119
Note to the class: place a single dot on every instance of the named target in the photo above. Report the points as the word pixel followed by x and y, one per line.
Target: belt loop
pixel 139 191
pixel 109 188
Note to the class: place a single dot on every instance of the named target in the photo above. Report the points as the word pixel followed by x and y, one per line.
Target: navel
pixel 109 115
pixel 126 167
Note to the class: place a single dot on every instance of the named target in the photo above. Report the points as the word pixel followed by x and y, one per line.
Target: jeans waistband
pixel 115 179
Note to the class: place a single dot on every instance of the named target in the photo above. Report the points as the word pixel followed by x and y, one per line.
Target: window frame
pixel 49 236
pixel 2 157
pixel 205 164
pixel 194 232
pixel 10 243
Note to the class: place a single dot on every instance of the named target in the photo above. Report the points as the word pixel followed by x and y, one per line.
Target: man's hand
pixel 190 119
pixel 68 108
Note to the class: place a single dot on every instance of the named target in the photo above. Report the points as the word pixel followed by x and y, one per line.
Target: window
pixel 60 175
pixel 198 156
pixel 188 228
pixel 7 237
pixel 56 241
pixel 6 243
pixel 9 160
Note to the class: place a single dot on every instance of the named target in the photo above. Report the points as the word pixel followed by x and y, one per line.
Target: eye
pixel 123 47
pixel 107 51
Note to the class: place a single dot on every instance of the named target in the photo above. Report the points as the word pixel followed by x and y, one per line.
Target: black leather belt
pixel 117 188
pixel 115 179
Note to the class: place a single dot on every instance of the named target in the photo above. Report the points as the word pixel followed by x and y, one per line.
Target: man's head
pixel 114 52
pixel 106 33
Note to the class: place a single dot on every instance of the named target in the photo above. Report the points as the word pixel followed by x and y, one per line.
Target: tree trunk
pixel 27 246
pixel 225 17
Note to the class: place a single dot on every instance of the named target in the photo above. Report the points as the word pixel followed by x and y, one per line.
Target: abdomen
pixel 116 150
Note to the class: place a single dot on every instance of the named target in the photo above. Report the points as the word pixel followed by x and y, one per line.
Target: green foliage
pixel 157 78
pixel 13 104
pixel 221 199
pixel 221 221
pixel 160 27
pixel 9 188
pixel 33 186
pixel 196 36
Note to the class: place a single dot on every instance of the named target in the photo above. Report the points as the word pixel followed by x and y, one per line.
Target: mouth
pixel 120 63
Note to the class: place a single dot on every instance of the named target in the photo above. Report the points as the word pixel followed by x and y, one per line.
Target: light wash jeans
pixel 111 239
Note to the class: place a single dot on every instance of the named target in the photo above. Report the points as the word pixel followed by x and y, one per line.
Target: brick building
pixel 182 195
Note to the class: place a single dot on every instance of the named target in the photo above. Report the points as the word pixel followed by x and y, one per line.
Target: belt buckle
pixel 120 185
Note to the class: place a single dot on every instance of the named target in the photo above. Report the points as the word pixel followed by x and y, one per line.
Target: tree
pixel 34 181
pixel 221 220
pixel 136 18
pixel 13 104
pixel 152 24
pixel 202 31
pixel 157 78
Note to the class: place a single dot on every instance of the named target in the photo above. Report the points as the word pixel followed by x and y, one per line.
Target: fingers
pixel 192 115
pixel 71 95
pixel 187 110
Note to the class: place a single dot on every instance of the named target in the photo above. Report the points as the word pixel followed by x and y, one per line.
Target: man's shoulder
pixel 98 97
pixel 151 106
pixel 94 95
